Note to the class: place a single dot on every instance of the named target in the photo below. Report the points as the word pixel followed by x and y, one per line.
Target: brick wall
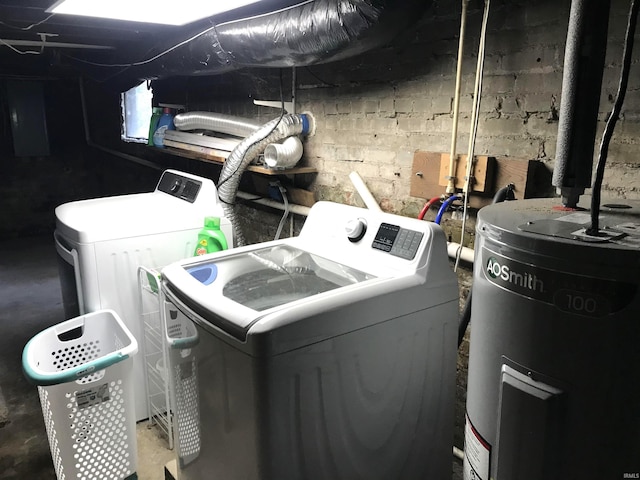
pixel 373 112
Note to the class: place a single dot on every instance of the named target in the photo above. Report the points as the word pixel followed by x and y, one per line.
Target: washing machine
pixel 331 355
pixel 102 242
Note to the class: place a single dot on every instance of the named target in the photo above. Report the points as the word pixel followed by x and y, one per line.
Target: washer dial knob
pixel 355 229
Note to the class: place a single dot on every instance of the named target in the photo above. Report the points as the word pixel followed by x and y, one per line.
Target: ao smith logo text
pixel 504 272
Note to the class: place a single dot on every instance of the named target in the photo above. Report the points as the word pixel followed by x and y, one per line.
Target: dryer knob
pixel 356 229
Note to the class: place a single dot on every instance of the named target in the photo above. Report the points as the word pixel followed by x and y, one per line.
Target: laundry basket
pixel 82 368
pixel 182 338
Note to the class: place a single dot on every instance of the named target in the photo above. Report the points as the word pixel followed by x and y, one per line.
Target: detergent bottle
pixel 210 238
pixel 165 122
pixel 153 123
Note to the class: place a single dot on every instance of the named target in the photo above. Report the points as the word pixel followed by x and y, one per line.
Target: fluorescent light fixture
pixel 167 12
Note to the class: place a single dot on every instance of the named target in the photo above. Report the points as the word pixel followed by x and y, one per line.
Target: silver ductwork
pixel 216 122
pixel 283 155
pixel 307 33
pixel 245 153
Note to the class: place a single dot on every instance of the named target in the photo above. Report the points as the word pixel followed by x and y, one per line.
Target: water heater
pixel 554 364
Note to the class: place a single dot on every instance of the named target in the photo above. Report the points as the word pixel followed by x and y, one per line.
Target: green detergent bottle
pixel 210 238
pixel 153 123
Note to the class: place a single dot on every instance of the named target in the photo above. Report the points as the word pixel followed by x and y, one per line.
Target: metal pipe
pixel 453 158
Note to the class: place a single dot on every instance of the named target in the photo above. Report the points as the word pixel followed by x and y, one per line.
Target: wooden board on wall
pixel 483 172
pixel 425 181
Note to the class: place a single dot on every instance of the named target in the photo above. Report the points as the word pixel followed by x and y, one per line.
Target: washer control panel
pixel 181 187
pixel 397 241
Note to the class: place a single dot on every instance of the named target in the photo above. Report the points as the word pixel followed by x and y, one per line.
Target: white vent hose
pixel 283 155
pixel 246 151
pixel 216 122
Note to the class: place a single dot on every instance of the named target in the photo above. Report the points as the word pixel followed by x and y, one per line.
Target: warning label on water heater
pixel 477 454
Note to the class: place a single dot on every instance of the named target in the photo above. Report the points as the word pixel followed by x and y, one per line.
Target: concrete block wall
pixel 373 112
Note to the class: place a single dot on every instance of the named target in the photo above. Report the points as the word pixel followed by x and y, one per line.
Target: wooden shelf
pixel 205 154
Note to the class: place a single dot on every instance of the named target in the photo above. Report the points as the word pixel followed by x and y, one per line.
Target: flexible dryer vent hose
pixel 246 151
pixel 216 122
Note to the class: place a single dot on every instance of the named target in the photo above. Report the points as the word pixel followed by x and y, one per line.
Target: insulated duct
pixel 216 122
pixel 581 84
pixel 310 32
pixel 246 151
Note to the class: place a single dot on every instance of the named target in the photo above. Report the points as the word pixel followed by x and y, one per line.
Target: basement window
pixel 136 113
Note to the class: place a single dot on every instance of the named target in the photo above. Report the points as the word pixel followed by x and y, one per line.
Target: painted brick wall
pixel 372 113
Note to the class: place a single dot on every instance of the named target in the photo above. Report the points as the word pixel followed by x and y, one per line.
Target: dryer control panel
pixel 178 186
pixel 400 242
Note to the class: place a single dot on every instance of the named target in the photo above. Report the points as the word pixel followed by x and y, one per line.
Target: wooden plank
pixel 206 152
pixel 301 197
pixel 224 144
pixel 482 172
pixel 426 173
pixel 209 155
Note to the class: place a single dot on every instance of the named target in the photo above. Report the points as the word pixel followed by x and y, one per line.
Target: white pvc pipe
pixel 459 454
pixel 466 253
pixel 364 192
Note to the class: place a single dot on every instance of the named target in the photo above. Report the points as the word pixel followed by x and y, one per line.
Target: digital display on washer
pixel 397 241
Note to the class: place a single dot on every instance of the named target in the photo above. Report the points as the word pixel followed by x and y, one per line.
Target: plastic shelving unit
pixel 156 354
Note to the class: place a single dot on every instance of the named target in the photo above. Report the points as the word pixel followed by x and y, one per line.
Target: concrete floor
pixel 30 301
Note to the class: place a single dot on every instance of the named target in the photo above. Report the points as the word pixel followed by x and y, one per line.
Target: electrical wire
pixel 283 192
pixel 613 118
pixel 30 26
pixel 21 52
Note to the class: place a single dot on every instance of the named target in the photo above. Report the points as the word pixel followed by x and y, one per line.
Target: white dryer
pixel 101 243
pixel 328 356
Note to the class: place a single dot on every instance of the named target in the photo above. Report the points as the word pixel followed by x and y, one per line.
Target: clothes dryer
pixel 101 243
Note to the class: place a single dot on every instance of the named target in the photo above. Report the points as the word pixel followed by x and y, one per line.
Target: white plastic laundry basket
pixel 82 368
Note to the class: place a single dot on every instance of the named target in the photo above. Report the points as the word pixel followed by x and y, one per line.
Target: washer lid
pixel 273 276
pixel 241 286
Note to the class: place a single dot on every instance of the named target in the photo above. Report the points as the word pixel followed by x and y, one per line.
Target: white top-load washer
pixel 102 242
pixel 331 355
